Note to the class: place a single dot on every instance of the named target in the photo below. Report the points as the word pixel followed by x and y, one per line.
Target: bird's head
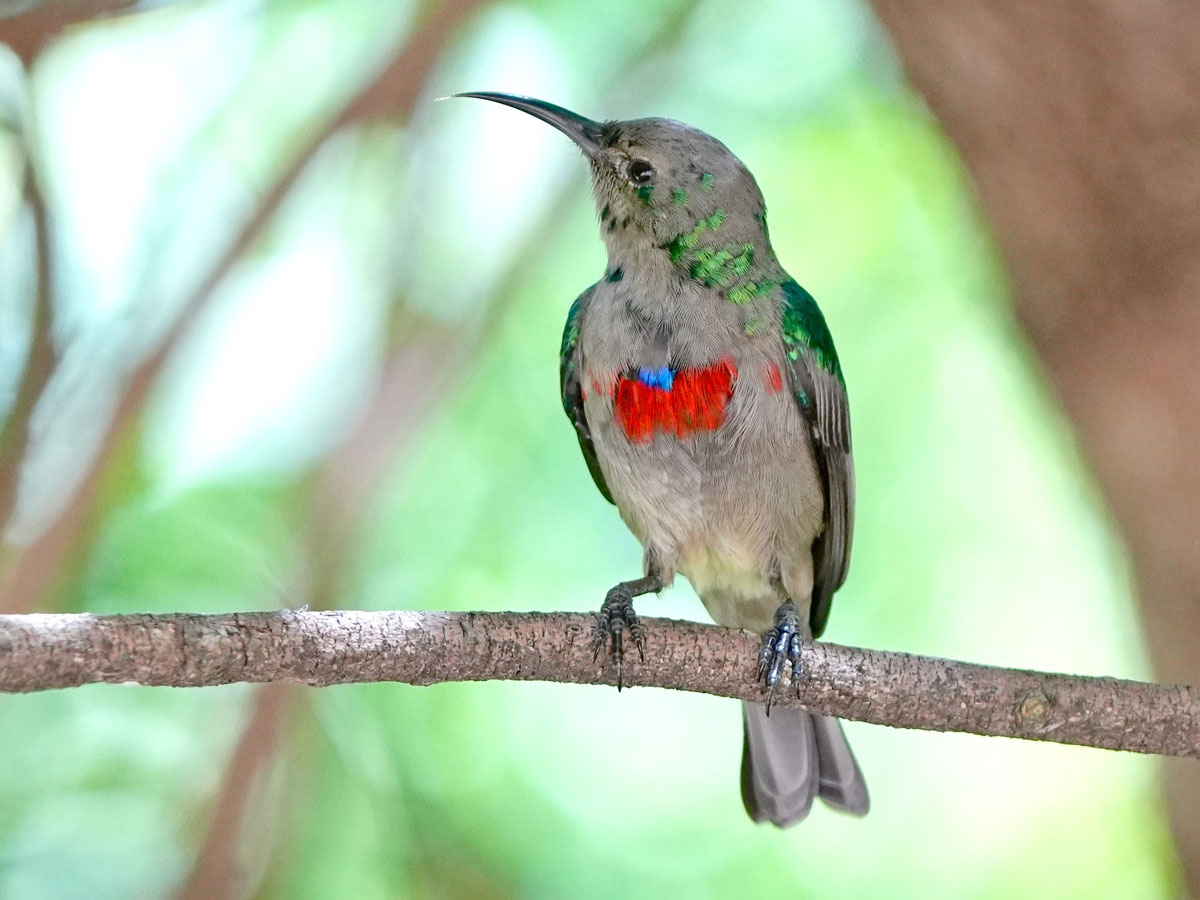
pixel 661 187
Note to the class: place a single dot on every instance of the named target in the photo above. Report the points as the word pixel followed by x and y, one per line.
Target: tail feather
pixel 792 757
pixel 780 775
pixel 842 785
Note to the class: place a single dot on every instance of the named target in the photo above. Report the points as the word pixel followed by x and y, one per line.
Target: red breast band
pixel 695 402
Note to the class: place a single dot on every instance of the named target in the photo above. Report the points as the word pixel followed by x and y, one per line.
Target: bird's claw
pixel 616 617
pixel 780 651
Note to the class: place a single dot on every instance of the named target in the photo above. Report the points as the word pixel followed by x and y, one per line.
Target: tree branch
pixel 218 871
pixel 1078 124
pixel 392 93
pixel 40 360
pixel 28 30
pixel 41 652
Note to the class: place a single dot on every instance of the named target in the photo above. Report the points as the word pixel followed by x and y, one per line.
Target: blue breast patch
pixel 662 377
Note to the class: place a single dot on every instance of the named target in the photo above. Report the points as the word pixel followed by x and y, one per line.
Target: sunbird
pixel 711 409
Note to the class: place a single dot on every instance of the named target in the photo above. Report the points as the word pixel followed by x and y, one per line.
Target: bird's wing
pixel 569 371
pixel 820 392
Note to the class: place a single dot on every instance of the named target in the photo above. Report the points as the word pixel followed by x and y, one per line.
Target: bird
pixel 711 408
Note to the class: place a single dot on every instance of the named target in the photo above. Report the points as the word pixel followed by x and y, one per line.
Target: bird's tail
pixel 792 757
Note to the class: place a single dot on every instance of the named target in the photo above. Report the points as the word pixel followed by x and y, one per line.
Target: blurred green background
pixel 364 413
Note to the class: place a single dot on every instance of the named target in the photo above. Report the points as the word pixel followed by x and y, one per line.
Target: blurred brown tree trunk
pixel 1080 124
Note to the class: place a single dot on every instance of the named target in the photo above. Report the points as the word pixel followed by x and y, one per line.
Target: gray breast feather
pixel 736 510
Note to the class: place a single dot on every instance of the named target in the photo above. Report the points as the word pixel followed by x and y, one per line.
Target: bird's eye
pixel 640 171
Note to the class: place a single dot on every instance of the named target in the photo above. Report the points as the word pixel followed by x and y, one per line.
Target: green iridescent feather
pixel 804 328
pixel 747 291
pixel 815 377
pixel 678 246
pixel 719 267
pixel 572 389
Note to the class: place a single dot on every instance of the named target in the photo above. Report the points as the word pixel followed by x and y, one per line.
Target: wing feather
pixel 570 374
pixel 820 392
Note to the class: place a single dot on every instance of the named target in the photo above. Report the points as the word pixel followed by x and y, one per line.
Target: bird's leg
pixel 780 648
pixel 616 616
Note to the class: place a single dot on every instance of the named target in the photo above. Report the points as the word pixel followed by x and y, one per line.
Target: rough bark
pixel 41 652
pixel 1080 125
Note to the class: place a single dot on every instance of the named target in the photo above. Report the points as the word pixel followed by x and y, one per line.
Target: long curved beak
pixel 584 132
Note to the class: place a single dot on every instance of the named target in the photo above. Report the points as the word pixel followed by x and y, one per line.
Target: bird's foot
pixel 780 650
pixel 615 619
